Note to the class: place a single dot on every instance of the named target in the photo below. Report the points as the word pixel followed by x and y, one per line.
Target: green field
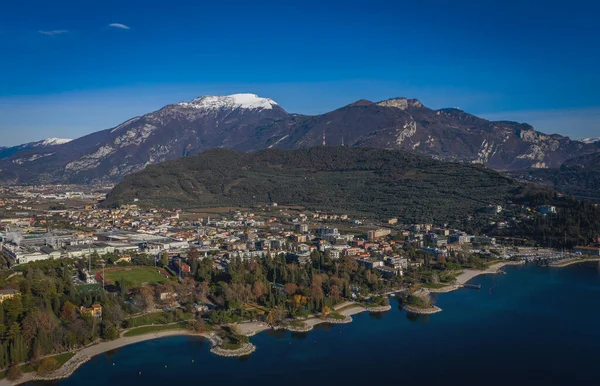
pixel 135 275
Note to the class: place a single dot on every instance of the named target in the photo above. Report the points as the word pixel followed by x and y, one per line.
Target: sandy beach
pixel 469 274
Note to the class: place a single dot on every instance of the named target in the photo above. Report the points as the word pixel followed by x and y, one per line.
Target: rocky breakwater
pixel 346 319
pixel 64 371
pixel 219 349
pixel 243 350
pixel 423 311
pixel 379 308
pixel 294 328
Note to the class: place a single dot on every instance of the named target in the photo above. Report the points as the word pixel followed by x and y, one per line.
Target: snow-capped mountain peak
pixel 51 142
pixel 233 101
pixel 590 140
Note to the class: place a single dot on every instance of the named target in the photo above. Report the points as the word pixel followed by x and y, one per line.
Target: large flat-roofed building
pixel 382 232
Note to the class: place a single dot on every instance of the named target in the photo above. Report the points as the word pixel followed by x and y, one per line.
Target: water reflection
pixel 418 318
pixel 299 335
pixel 376 315
pixel 279 334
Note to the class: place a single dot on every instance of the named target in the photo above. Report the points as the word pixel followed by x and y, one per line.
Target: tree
pixel 316 289
pixel 4 360
pixel 47 366
pixel 147 294
pixel 109 330
pixel 203 291
pixel 259 289
pixel 164 259
pixel 335 293
pixel 275 316
pixel 197 325
pixel 186 291
pixel 290 288
pixel 193 256
pixel 37 323
pixel 13 308
pixel 68 312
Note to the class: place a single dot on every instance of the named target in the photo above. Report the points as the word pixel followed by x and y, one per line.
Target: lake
pixel 532 326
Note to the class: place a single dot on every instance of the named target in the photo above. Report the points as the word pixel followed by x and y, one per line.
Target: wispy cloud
pixel 118 25
pixel 53 32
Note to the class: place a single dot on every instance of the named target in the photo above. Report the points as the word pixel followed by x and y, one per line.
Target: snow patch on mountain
pixel 233 101
pixel 52 142
pixel 34 157
pixel 590 140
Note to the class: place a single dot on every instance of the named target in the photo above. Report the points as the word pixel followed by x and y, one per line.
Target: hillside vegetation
pixel 352 180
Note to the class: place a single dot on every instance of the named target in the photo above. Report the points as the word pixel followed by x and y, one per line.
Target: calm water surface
pixel 533 326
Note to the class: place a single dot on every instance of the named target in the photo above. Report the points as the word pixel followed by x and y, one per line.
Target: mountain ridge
pixel 350 179
pixel 247 122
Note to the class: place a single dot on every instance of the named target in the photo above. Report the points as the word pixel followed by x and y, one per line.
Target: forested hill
pixel 352 180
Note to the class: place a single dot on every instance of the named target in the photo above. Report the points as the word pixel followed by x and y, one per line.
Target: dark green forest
pixel 352 180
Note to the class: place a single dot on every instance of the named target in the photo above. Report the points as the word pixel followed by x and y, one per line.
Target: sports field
pixel 136 275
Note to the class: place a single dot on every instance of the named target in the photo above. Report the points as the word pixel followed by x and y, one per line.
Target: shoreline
pixel 87 353
pixel 422 311
pixel 466 276
pixel 249 329
pixel 576 260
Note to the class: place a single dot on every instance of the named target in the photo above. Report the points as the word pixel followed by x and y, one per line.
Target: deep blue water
pixel 533 326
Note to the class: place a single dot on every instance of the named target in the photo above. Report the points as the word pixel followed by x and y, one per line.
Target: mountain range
pixel 247 122
pixel 6 152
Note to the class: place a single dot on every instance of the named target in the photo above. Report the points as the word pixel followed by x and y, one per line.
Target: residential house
pixel 8 293
pixel 95 311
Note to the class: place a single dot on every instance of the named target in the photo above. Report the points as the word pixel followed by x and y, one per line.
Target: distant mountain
pixel 351 180
pixel 6 152
pixel 590 140
pixel 450 134
pixel 579 176
pixel 247 122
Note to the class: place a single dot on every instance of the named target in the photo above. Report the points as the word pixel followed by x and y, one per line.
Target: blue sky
pixel 65 71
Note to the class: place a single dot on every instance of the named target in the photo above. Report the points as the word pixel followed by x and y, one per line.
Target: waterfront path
pixel 469 274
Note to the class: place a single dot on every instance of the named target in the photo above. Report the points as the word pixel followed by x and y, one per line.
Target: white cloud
pixel 53 32
pixel 118 25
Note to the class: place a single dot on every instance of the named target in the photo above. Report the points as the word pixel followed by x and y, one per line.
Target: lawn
pixel 150 329
pixel 156 318
pixel 336 316
pixel 137 276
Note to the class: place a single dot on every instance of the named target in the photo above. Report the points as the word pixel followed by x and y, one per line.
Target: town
pixel 127 271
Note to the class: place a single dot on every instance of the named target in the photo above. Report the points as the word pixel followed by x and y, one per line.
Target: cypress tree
pixel 3 358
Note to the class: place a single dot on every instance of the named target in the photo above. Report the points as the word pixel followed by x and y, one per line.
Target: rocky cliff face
pixel 248 122
pixel 451 134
